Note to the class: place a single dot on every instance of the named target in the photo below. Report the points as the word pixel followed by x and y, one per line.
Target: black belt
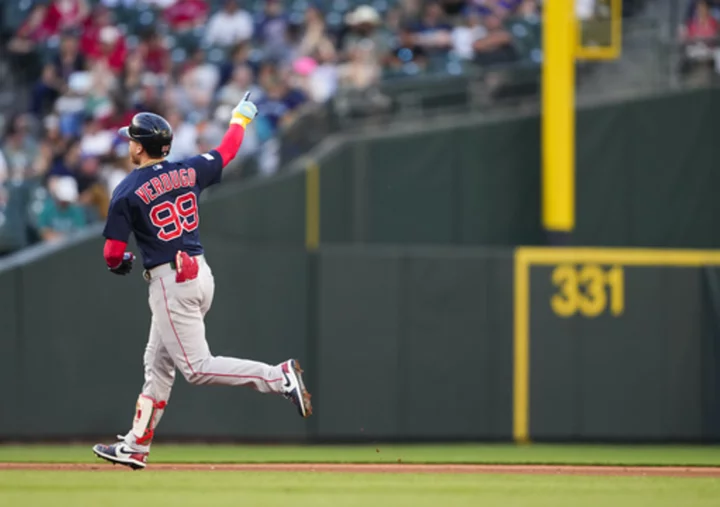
pixel 173 266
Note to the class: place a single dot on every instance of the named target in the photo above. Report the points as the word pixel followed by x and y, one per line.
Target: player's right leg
pixel 134 447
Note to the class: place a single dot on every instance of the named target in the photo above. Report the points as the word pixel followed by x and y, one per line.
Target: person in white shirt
pixel 185 137
pixel 464 36
pixel 229 26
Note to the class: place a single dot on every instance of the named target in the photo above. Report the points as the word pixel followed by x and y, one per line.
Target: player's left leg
pixel 134 447
pixel 180 309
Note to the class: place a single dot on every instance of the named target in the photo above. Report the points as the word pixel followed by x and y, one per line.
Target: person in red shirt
pixel 112 49
pixel 702 26
pixel 119 115
pixel 66 14
pixel 155 55
pixel 186 15
pixel 90 38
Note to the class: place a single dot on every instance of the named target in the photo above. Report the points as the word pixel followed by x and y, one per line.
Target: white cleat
pixel 121 454
pixel 294 387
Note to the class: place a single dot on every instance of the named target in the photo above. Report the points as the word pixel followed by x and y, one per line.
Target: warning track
pixel 662 471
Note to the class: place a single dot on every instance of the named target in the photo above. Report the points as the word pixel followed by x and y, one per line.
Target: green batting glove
pixel 244 112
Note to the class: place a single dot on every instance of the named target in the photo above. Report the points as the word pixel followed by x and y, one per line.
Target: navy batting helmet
pixel 152 131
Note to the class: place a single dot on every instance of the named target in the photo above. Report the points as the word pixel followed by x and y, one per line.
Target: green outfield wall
pixel 400 343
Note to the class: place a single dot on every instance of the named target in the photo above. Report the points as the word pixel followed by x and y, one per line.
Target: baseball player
pixel 158 203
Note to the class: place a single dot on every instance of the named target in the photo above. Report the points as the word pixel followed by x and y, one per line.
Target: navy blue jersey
pixel 159 204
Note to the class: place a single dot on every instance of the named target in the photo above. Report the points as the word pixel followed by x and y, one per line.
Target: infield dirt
pixel 391 468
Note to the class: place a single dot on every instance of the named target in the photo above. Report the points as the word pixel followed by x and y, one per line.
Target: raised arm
pixel 242 115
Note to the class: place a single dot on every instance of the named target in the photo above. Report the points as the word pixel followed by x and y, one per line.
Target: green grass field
pixel 382 453
pixel 115 487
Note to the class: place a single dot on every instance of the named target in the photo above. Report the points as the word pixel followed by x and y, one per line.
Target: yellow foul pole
pixel 558 116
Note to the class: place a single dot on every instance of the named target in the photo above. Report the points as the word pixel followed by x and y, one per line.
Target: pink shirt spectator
pixel 703 28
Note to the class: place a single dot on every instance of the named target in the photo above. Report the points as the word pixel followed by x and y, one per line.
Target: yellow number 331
pixel 585 290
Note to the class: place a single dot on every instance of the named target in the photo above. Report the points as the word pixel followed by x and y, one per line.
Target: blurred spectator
pixel 302 69
pixel 102 41
pixel 365 23
pixel 229 26
pixel 197 83
pixel 118 168
pixel 22 46
pixel 394 19
pixel 46 91
pixel 69 59
pixel 52 147
pixel 184 137
pixel 95 141
pixel 150 98
pixel 701 26
pixel 3 170
pixel 239 56
pixel 495 47
pixel 35 29
pixel 98 102
pixel 67 164
pixel 700 37
pixel 411 9
pixel 100 17
pixel 65 15
pixel 407 54
pixel 271 30
pixel 528 10
pixel 362 70
pixel 293 38
pixel 119 114
pixel 56 75
pixel 61 215
pixel 692 5
pixel 131 77
pixel 186 15
pixel 464 36
pixel 70 107
pixel 154 53
pixel 432 32
pixel 19 148
pixel 112 49
pixel 93 192
pixel 280 105
pixel 318 79
pixel 242 81
pixel 315 34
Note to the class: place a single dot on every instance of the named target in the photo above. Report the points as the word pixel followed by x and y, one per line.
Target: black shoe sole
pixel 307 403
pixel 114 461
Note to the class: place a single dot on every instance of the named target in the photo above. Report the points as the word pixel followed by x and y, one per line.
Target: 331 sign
pixel 588 290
